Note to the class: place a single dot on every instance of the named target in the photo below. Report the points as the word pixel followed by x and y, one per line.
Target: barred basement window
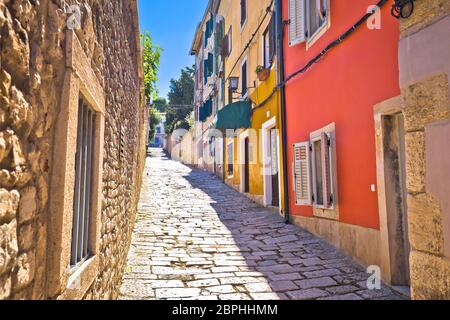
pixel 82 204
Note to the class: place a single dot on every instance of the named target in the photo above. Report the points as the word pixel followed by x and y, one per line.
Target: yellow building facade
pixel 253 157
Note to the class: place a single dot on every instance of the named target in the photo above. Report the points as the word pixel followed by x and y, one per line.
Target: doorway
pixel 247 165
pixel 271 164
pixel 274 167
pixel 392 193
pixel 396 195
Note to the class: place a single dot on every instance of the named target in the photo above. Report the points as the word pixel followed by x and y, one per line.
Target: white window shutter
pixel 326 171
pixel 302 174
pixel 297 25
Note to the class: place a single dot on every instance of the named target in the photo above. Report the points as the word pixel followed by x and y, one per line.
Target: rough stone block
pixel 5 287
pixel 26 237
pixel 308 294
pixel 8 246
pixel 425 102
pixel 316 283
pixel 9 202
pixel 425 13
pixel 27 204
pixel 24 271
pixel 415 162
pixel 429 277
pixel 425 224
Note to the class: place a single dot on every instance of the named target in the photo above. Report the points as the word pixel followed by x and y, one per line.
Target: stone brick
pixel 425 13
pixel 316 283
pixel 415 161
pixel 429 277
pixel 425 224
pixel 5 287
pixel 9 202
pixel 24 271
pixel 177 293
pixel 27 204
pixel 258 287
pixel 8 246
pixel 26 237
pixel 308 294
pixel 283 286
pixel 425 102
pixel 345 297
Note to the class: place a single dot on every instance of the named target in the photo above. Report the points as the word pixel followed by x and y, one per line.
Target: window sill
pixel 81 280
pixel 331 214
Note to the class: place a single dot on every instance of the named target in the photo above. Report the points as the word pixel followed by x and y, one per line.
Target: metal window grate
pixel 83 183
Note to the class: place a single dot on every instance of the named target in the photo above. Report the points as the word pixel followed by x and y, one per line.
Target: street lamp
pixel 402 8
pixel 234 83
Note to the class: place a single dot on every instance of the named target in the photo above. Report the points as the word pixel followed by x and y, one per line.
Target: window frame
pixel 309 38
pixel 244 62
pixel 243 23
pixel 315 138
pixel 313 38
pixel 266 38
pixel 230 143
pixel 62 281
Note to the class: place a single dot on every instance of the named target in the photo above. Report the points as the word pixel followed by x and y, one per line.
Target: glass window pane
pixel 318 172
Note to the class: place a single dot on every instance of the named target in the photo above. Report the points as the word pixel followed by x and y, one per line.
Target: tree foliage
pixel 151 57
pixel 181 96
pixel 155 119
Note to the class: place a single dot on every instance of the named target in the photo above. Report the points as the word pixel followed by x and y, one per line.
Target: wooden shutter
pixel 297 30
pixel 302 174
pixel 225 47
pixel 326 171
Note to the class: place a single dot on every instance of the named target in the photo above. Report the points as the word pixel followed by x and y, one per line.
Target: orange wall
pixel 343 88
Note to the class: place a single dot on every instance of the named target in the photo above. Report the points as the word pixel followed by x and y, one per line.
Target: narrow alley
pixel 196 238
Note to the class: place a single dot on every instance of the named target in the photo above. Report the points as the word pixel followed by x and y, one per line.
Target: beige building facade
pixel 72 143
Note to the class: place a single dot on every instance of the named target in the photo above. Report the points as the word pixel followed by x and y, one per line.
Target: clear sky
pixel 172 25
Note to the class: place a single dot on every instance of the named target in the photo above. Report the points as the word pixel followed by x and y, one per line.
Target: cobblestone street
pixel 196 238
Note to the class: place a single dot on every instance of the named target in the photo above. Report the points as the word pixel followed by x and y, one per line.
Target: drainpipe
pixel 280 38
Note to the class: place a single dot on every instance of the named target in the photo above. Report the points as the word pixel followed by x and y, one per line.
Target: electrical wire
pixel 268 11
pixel 316 59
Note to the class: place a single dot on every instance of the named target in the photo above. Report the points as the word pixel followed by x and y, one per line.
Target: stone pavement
pixel 196 238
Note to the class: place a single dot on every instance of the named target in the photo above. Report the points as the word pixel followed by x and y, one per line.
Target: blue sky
pixel 172 25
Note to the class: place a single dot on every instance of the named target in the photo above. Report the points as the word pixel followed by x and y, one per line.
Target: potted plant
pixel 262 73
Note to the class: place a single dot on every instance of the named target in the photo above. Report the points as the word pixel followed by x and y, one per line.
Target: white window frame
pixel 313 38
pixel 263 47
pixel 244 61
pixel 231 142
pixel 243 24
pixel 321 211
pixel 310 39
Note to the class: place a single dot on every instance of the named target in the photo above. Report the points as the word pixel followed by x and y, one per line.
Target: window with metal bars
pixel 82 204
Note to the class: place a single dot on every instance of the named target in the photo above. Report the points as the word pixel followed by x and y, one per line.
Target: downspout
pixel 280 38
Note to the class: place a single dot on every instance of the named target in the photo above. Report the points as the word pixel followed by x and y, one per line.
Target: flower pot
pixel 263 74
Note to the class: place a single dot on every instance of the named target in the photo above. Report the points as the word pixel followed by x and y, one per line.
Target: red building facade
pixel 331 138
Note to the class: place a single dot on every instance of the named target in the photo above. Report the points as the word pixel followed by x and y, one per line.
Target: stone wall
pixel 32 42
pixel 424 76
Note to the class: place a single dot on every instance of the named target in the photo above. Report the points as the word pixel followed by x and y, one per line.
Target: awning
pixel 235 116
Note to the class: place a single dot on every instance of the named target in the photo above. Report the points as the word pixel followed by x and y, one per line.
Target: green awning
pixel 235 116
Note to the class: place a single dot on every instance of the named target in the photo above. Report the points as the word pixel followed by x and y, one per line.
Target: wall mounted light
pixel 402 8
pixel 234 83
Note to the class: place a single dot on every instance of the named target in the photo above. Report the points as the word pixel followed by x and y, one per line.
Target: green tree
pixel 181 100
pixel 151 54
pixel 155 119
pixel 160 104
